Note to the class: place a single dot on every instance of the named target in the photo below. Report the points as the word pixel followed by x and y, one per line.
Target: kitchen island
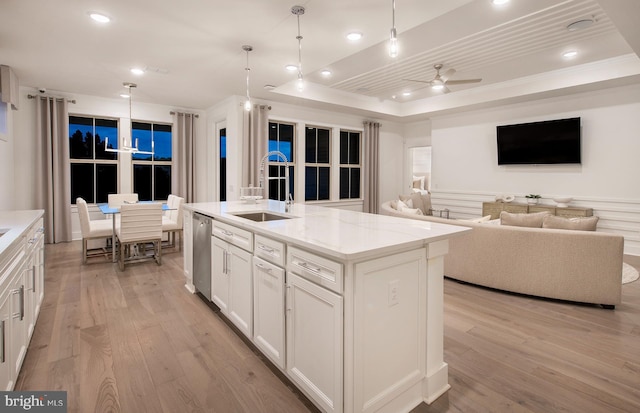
pixel 348 305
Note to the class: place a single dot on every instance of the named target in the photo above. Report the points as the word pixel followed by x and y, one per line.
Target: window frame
pixel 278 162
pixel 93 161
pixel 153 163
pixel 351 166
pixel 318 165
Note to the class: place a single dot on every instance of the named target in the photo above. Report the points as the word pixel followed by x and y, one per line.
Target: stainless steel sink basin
pixel 262 216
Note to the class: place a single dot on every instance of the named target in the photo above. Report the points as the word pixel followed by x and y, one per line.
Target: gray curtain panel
pixel 53 193
pixel 255 143
pixel 183 180
pixel 371 195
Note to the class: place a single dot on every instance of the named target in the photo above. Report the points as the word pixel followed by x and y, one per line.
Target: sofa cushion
pixel 485 218
pixel 577 223
pixel 418 200
pixel 523 220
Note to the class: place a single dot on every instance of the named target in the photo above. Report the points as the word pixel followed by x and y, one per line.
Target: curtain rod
pixel 179 113
pixel 35 96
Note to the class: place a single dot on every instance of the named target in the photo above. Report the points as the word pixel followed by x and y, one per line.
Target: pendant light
pixel 298 11
pixel 130 148
pixel 247 104
pixel 393 41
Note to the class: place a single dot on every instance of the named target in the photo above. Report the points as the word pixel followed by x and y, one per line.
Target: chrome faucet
pixel 288 198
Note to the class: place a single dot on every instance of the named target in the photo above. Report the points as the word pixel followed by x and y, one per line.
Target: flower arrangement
pixel 533 196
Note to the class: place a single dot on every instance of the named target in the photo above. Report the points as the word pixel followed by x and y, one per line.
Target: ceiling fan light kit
pixel 440 82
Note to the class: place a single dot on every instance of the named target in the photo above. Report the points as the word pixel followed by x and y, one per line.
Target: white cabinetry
pixel 268 300
pixel 314 329
pixel 231 278
pixel 187 240
pixel 21 290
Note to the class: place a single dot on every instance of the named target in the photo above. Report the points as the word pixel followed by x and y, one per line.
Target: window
pixel 349 164
pixel 317 163
pixel 152 172
pixel 94 172
pixel 281 136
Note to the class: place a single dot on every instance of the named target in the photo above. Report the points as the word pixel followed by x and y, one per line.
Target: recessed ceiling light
pixel 406 93
pixel 580 24
pixel 569 54
pixel 137 71
pixel 291 68
pixel 499 2
pixel 326 72
pixel 125 95
pixel 354 36
pixel 99 17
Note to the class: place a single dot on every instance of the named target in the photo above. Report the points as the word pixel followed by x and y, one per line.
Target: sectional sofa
pixel 572 265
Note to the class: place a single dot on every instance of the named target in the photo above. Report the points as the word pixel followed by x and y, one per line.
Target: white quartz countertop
pixel 343 234
pixel 13 224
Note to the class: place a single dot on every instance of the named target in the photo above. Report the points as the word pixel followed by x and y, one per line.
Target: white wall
pixel 6 158
pixel 465 165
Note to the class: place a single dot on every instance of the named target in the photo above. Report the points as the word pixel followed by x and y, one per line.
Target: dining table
pixel 115 210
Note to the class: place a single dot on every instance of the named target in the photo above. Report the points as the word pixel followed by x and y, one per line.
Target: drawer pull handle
pixel 227 233
pixel 262 267
pixel 307 266
pixel 266 249
pixel 3 344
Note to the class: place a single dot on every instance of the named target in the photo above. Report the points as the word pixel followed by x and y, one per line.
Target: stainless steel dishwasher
pixel 202 254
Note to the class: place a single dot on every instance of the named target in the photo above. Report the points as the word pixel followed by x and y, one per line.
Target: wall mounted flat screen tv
pixel 546 142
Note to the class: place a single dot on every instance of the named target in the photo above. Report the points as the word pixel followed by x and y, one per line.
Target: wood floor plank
pixel 169 352
pixel 98 390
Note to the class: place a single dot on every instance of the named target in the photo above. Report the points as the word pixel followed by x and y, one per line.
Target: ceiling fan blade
pixel 415 80
pixel 447 74
pixel 463 81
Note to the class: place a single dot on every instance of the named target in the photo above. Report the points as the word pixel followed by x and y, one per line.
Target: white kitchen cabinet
pixel 21 288
pixel 314 342
pixel 268 310
pixel 187 242
pixel 231 278
pixel 6 370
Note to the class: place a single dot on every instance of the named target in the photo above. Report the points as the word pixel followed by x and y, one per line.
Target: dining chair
pixel 92 230
pixel 116 200
pixel 172 221
pixel 140 224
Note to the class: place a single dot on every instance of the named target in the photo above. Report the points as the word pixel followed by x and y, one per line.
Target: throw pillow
pixel 523 220
pixel 393 204
pixel 417 200
pixel 578 223
pixel 418 182
pixel 415 211
pixel 400 205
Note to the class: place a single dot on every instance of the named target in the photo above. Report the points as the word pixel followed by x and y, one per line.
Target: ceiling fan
pixel 440 82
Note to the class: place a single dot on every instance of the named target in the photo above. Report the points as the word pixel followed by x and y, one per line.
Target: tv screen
pixel 547 142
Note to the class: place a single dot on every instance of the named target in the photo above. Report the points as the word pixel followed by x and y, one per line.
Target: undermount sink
pixel 262 216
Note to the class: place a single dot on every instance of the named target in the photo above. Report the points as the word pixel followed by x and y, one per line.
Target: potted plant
pixel 532 199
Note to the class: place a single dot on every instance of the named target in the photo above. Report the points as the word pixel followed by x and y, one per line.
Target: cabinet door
pixel 17 343
pixel 6 370
pixel 219 278
pixel 240 289
pixel 314 342
pixel 268 310
pixel 29 282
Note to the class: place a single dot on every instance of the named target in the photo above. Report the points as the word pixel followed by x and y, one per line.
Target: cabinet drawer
pixel 314 268
pixel 269 250
pixel 233 235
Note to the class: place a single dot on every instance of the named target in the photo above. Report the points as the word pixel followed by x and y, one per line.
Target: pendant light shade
pixel 393 41
pixel 299 11
pixel 247 103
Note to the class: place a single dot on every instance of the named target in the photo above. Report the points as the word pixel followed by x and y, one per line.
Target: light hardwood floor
pixel 139 342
